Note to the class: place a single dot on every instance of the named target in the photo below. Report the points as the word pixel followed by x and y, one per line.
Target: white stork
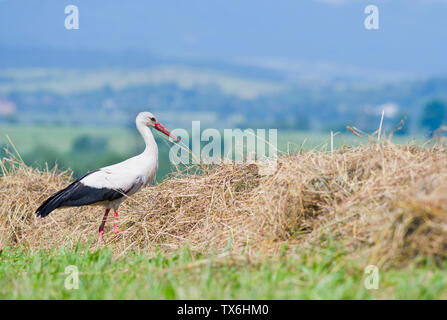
pixel 110 185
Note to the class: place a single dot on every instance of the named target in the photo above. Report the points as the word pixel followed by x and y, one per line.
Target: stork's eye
pixel 153 119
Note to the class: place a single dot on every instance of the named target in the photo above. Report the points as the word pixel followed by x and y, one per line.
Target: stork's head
pixel 148 119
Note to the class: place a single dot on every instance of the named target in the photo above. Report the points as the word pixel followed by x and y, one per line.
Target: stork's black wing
pixel 78 194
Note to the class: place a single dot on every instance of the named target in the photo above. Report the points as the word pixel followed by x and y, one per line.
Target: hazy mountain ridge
pixel 46 85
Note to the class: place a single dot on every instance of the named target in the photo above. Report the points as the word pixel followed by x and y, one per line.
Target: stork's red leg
pixel 115 226
pixel 101 227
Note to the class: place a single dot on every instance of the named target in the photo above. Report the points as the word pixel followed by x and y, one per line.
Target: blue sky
pixel 412 35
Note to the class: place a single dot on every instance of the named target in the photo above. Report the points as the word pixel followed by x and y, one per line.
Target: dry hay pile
pixel 388 200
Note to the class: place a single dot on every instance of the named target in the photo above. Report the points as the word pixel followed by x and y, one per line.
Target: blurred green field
pixel 41 145
pixel 60 139
pixel 294 141
pixel 123 140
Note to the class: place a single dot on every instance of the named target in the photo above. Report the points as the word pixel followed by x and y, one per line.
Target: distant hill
pixel 219 98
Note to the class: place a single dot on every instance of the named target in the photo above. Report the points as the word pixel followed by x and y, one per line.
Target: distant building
pixel 7 108
pixel 391 109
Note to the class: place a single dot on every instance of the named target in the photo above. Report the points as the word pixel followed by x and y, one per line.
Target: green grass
pixel 316 274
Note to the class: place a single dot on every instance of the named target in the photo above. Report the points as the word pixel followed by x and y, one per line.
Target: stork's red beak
pixel 160 128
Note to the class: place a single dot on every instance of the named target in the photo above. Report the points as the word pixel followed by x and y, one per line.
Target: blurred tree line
pixel 434 116
pixel 87 153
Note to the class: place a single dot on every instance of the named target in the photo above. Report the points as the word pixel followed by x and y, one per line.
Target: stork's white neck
pixel 148 137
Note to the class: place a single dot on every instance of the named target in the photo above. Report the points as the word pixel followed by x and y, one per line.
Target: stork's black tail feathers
pixel 69 196
pixel 78 194
pixel 53 202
